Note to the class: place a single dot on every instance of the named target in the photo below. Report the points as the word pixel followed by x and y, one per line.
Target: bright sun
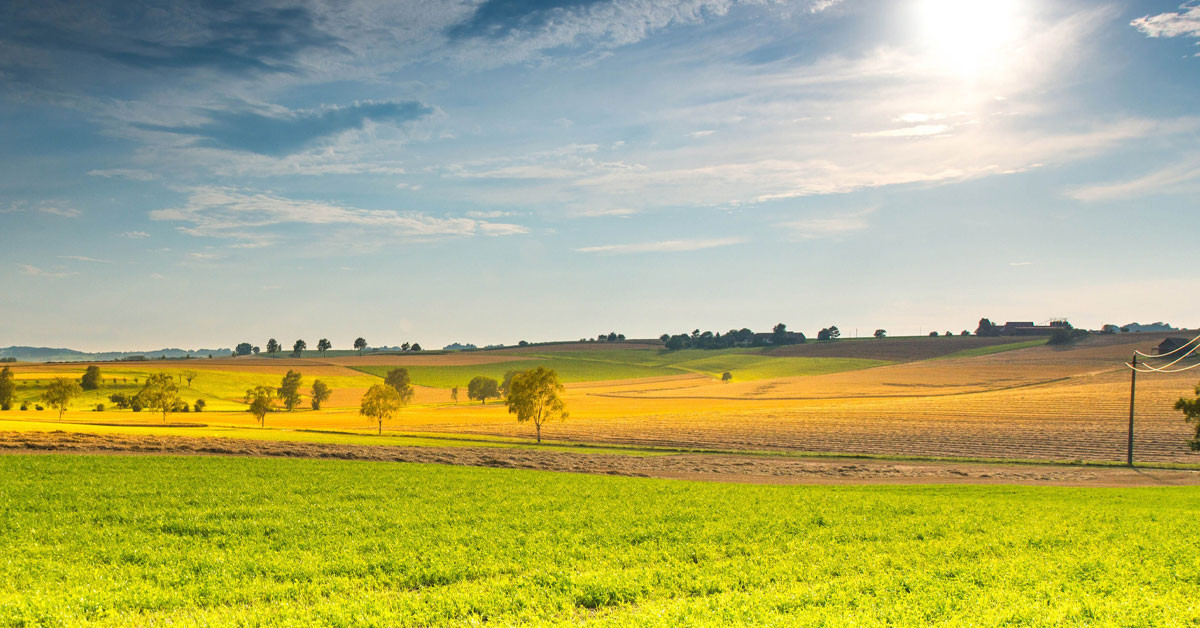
pixel 968 37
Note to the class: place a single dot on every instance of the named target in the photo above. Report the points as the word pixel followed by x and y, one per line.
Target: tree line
pixel 298 347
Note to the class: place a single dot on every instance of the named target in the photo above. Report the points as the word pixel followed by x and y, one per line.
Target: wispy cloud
pixel 34 271
pixel 65 212
pixel 281 133
pixel 1182 23
pixel 1180 178
pixel 1020 263
pixel 255 218
pixel 662 246
pixel 619 212
pixel 829 226
pixel 135 235
pixel 81 258
pixel 123 173
pixel 920 130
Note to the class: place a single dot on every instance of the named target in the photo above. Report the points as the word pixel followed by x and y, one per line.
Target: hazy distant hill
pixel 48 354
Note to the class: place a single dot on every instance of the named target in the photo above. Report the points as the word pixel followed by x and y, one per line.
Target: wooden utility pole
pixel 1132 394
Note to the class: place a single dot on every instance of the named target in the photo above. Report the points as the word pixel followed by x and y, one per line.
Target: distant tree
pixel 243 348
pixel 665 337
pixel 948 334
pixel 1191 413
pixel 779 334
pixel 834 332
pixel 933 334
pixel 99 407
pixel 199 405
pixel 91 378
pixel 726 376
pixel 8 388
pixel 824 334
pixel 120 400
pixel 1109 329
pixel 323 345
pixel 289 390
pixel 59 393
pixel 1065 335
pixel 299 346
pixel 255 349
pixel 400 381
pixel 523 343
pixel 454 394
pixel 620 337
pixel 159 393
pixel 986 328
pixel 506 382
pixel 381 403
pixel 405 346
pixel 416 346
pixel 534 397
pixel 273 346
pixel 483 388
pixel 260 399
pixel 964 333
pixel 881 333
pixel 360 344
pixel 320 394
pixel 612 336
pixel 189 375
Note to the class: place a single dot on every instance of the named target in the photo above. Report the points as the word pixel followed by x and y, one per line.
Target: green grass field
pixel 118 541
pixel 613 364
pixel 980 351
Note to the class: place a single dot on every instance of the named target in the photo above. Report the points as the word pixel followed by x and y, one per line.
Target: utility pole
pixel 1132 393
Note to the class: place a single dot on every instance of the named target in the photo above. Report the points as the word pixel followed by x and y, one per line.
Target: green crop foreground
pixel 236 541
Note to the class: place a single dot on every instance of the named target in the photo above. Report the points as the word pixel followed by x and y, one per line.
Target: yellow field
pixel 1035 403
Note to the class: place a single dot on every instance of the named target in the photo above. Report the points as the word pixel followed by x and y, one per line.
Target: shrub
pixel 199 406
pixel 5 406
pixel 99 407
pixel 38 408
pixel 1065 336
pixel 24 406
pixel 135 404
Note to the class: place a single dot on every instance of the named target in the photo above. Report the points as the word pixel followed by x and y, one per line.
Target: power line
pixel 1169 353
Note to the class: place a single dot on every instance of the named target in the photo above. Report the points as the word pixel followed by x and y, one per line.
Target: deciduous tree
pixel 1191 413
pixel 323 345
pixel 454 394
pixel 260 399
pixel 726 376
pixel 881 333
pixel 381 403
pixel 60 392
pixel 243 348
pixel 189 375
pixel 91 378
pixel 299 346
pixel 483 388
pixel 360 343
pixel 402 383
pixel 320 394
pixel 273 346
pixel 8 388
pixel 534 396
pixel 289 390
pixel 159 393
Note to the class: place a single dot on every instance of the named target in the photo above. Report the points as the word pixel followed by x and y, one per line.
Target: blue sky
pixel 196 174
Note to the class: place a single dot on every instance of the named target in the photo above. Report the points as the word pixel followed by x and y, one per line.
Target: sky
pixel 195 174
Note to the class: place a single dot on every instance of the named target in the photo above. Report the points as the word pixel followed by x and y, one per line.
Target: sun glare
pixel 968 37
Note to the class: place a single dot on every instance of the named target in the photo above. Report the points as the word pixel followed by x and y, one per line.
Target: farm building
pixel 1027 328
pixel 1171 344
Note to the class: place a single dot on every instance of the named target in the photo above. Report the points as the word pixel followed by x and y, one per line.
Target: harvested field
pixel 421 359
pixel 894 349
pixel 711 467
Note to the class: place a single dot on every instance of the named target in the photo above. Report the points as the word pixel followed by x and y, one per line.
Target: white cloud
pixel 1181 178
pixel 80 258
pixel 821 5
pixel 1184 23
pixel 34 271
pixel 620 212
pixel 912 131
pixel 829 226
pixel 1020 263
pixel 490 214
pixel 662 246
pixel 124 173
pixel 704 133
pixel 65 212
pixel 255 218
pixel 135 235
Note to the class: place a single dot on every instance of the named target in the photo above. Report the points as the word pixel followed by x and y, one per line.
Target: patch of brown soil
pixel 708 467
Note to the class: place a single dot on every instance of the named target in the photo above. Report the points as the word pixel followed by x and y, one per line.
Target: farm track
pixel 708 467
